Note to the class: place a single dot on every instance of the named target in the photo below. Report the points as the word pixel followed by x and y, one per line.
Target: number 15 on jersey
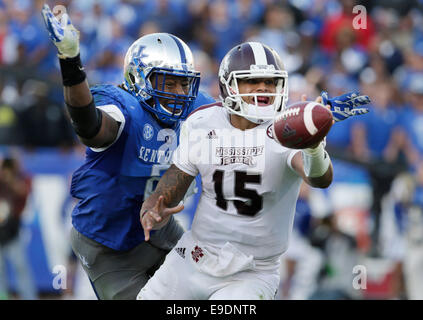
pixel 253 203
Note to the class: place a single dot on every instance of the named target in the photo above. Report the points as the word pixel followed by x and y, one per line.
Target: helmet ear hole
pixel 131 76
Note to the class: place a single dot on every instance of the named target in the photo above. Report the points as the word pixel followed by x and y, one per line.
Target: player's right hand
pixel 63 34
pixel 157 217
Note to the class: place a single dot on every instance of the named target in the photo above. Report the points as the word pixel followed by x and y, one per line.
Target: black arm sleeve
pixel 86 120
pixel 72 71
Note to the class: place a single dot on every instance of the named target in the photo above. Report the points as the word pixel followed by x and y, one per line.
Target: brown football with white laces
pixel 302 125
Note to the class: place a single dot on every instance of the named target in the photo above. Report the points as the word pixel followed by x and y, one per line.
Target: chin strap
pixel 253 114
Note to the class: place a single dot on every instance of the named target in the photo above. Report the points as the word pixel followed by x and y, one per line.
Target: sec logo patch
pixel 148 131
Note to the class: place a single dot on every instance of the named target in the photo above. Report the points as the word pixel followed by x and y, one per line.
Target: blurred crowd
pixel 376 48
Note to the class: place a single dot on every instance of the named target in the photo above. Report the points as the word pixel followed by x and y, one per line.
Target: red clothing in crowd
pixel 341 21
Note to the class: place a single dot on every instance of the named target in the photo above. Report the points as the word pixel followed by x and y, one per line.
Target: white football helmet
pixel 246 61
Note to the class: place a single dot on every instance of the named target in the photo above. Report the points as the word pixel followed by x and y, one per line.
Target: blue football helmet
pixel 149 62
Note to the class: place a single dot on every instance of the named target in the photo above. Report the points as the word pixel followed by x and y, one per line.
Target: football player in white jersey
pixel 250 186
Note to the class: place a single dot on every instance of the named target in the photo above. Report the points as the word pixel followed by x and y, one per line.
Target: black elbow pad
pixel 86 120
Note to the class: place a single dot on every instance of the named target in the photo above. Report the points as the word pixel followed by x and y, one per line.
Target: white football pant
pixel 182 276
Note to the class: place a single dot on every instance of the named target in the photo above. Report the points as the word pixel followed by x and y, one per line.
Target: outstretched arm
pixel 94 127
pixel 157 208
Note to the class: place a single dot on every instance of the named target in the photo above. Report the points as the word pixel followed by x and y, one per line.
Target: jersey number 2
pixel 250 207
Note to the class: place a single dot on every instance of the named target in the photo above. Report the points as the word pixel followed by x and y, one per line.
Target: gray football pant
pixel 121 274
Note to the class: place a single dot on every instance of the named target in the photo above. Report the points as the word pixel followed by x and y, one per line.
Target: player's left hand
pixel 347 105
pixel 157 217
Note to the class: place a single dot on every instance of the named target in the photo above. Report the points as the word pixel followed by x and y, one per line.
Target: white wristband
pixel 316 161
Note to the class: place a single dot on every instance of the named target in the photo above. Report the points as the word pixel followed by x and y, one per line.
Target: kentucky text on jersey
pixel 155 156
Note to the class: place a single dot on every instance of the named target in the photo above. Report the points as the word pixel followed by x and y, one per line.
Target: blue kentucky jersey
pixel 112 184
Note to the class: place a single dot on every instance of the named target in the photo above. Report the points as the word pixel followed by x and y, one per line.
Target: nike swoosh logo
pixel 81 68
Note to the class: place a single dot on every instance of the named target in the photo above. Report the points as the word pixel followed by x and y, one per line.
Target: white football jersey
pixel 249 190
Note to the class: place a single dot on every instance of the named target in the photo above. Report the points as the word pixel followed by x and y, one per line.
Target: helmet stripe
pixel 259 53
pixel 271 59
pixel 181 51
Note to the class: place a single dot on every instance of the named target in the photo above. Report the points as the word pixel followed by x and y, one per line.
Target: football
pixel 302 125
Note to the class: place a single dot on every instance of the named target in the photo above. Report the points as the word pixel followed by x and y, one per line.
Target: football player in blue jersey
pixel 130 132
